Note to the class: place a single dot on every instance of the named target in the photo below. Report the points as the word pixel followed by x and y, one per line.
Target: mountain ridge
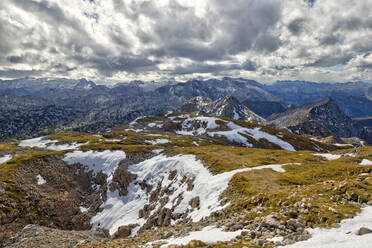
pixel 321 118
pixel 125 102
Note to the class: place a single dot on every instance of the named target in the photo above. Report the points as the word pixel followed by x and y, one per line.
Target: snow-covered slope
pixel 105 161
pixel 227 107
pixel 179 179
pixel 231 131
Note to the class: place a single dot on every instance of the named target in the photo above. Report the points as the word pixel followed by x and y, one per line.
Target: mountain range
pixel 85 106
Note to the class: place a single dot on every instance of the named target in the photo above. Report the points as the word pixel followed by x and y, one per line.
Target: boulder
pixel 123 232
pixel 271 221
pixel 363 231
pixel 121 180
pixel 195 202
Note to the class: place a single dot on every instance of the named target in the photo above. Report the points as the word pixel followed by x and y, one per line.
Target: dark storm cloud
pixel 267 43
pixel 110 66
pixel 330 40
pixel 352 24
pixel 202 68
pixel 249 66
pixel 233 27
pixel 14 59
pixel 329 61
pixel 244 21
pixel 214 69
pixel 47 12
pixel 296 26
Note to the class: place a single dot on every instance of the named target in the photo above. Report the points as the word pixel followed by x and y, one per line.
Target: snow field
pixel 123 210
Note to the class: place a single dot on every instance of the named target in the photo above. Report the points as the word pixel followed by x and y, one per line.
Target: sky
pixel 123 40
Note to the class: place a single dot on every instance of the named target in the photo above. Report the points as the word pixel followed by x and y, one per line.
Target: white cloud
pixel 139 39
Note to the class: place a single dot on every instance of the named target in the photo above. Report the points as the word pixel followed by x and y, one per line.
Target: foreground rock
pixel 364 230
pixel 44 237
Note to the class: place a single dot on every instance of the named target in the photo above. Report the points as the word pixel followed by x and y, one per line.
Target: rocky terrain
pixel 193 179
pixel 228 107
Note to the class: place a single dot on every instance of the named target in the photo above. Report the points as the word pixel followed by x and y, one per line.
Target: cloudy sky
pixel 120 40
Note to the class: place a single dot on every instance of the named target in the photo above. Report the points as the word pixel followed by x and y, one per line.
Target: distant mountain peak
pixel 227 106
pixel 321 118
pixel 84 84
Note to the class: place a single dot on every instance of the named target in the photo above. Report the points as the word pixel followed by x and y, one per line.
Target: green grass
pixel 70 137
pixel 7 169
pixel 7 148
pixel 219 158
pixel 318 181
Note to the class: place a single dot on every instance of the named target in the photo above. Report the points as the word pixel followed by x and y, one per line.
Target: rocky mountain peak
pixel 227 106
pixel 321 118
pixel 195 104
pixel 84 84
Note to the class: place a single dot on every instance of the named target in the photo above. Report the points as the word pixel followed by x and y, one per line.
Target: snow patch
pixel 342 237
pixel 179 117
pixel 40 180
pixel 257 134
pixel 137 119
pixel 209 234
pixel 338 144
pixel 42 142
pixel 203 125
pixel 330 156
pixel 5 158
pixel 112 140
pixel 276 239
pixel 236 115
pixel 366 162
pixel 83 209
pixel 157 151
pixel 157 141
pixel 105 161
pixel 236 131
